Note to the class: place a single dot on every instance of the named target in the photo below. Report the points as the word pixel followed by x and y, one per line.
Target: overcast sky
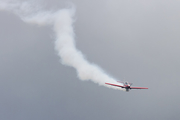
pixel 136 40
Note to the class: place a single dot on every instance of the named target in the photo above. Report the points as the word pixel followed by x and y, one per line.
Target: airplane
pixel 126 85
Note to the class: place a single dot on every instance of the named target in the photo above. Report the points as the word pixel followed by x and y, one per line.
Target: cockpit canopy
pixel 126 83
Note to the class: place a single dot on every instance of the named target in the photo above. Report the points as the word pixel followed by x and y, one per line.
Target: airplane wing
pixel 138 88
pixel 115 85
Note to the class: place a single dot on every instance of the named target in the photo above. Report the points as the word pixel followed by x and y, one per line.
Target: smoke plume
pixel 62 22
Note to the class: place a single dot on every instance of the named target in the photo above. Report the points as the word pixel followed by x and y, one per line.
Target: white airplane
pixel 126 85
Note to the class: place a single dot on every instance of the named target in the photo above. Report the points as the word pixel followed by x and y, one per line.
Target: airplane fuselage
pixel 127 87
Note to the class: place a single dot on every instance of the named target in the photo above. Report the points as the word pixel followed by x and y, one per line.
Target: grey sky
pixel 138 40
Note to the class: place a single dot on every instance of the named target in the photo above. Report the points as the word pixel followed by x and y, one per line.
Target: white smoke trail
pixel 62 21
